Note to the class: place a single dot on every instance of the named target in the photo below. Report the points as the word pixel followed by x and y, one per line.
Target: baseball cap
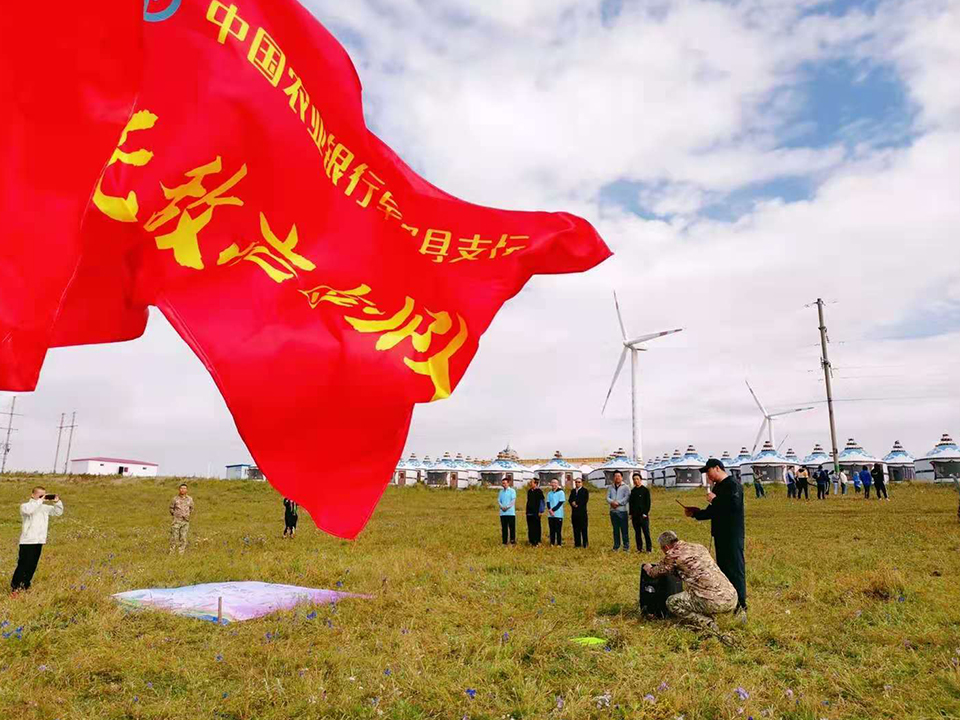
pixel 712 463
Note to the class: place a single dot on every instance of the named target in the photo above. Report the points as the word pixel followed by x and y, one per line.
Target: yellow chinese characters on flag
pixel 442 335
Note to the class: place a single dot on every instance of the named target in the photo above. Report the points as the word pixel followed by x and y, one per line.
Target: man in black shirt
pixel 535 508
pixel 578 513
pixel 640 512
pixel 725 513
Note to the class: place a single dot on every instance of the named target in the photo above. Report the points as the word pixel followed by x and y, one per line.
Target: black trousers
pixel 26 566
pixel 821 491
pixel 791 490
pixel 508 526
pixel 641 525
pixel 289 521
pixel 758 489
pixel 580 524
pixel 803 488
pixel 866 491
pixel 731 562
pixel 621 529
pixel 881 487
pixel 556 530
pixel 534 529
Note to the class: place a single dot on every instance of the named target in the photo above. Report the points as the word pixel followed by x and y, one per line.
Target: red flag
pixel 66 89
pixel 326 287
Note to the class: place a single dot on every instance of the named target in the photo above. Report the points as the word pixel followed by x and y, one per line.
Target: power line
pixel 827 373
pixel 71 426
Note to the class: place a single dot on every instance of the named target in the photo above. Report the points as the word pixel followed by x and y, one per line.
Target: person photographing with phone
pixel 725 513
pixel 35 517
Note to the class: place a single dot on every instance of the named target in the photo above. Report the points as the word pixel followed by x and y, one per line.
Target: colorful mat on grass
pixel 241 600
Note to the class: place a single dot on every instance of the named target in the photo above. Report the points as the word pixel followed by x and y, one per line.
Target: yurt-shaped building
pixel 668 460
pixel 473 469
pixel 741 464
pixel 558 469
pixel 730 464
pixel 650 470
pixel 685 472
pixel 409 471
pixel 900 464
pixel 768 466
pixel 942 464
pixel 791 457
pixel 853 457
pixel 618 462
pixel 504 467
pixel 444 473
pixel 817 458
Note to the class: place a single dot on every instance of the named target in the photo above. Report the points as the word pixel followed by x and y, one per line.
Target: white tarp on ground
pixel 241 600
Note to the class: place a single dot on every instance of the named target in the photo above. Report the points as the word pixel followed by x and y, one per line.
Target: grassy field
pixel 854 613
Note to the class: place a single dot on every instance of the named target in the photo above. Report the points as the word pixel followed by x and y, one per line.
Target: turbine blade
pixel 653 336
pixel 623 359
pixel 788 412
pixel 757 400
pixel 616 303
pixel 756 442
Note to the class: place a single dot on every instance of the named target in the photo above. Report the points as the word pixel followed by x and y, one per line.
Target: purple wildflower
pixel 663 686
pixel 559 702
pixel 312 616
pixel 339 583
pixel 742 694
pixel 649 698
pixel 387 672
pixel 219 657
pixel 506 636
pixel 471 693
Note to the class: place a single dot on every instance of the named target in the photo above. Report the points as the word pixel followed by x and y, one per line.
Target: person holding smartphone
pixel 35 516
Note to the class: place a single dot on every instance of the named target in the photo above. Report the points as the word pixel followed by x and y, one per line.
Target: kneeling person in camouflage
pixel 707 592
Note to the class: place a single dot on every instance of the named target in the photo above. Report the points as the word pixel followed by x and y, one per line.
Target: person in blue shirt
pixel 555 500
pixel 866 481
pixel 507 500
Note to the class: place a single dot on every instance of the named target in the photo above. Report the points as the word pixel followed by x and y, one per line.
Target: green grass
pixel 854 613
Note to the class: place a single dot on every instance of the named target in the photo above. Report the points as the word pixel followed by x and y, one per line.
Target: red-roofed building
pixel 113 466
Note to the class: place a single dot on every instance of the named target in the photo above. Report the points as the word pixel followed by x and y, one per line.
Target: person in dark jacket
pixel 536 504
pixel 640 512
pixel 822 481
pixel 866 479
pixel 725 513
pixel 290 516
pixel 878 482
pixel 578 513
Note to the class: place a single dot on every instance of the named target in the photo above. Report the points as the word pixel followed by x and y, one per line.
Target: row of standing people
pixel 625 504
pixel 798 482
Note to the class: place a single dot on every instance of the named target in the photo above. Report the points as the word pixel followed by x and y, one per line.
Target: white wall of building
pixel 126 468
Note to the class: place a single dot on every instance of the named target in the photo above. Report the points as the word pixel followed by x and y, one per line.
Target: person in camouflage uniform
pixel 707 591
pixel 181 508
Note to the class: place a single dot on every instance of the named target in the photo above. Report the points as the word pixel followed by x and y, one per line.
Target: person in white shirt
pixel 35 514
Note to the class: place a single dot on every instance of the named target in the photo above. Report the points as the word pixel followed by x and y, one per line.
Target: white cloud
pixel 540 105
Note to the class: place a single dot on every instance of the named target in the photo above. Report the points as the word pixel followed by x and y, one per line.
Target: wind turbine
pixel 633 347
pixel 768 418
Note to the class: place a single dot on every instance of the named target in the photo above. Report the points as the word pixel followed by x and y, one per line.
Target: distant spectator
pixel 835 481
pixel 290 511
pixel 34 517
pixel 618 498
pixel 181 509
pixel 555 501
pixel 878 481
pixel 536 506
pixel 758 484
pixel 855 477
pixel 843 481
pixel 823 481
pixel 866 479
pixel 791 479
pixel 639 511
pixel 507 500
pixel 803 483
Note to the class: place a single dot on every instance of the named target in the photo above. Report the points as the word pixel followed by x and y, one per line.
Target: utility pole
pixel 56 458
pixel 827 375
pixel 72 425
pixel 10 428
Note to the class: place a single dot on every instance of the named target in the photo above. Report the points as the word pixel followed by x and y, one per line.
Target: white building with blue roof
pixel 942 463
pixel 618 462
pixel 684 472
pixel 817 458
pixel 506 466
pixel 444 473
pixel 768 466
pixel 558 469
pixel 741 466
pixel 900 464
pixel 854 457
pixel 409 471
